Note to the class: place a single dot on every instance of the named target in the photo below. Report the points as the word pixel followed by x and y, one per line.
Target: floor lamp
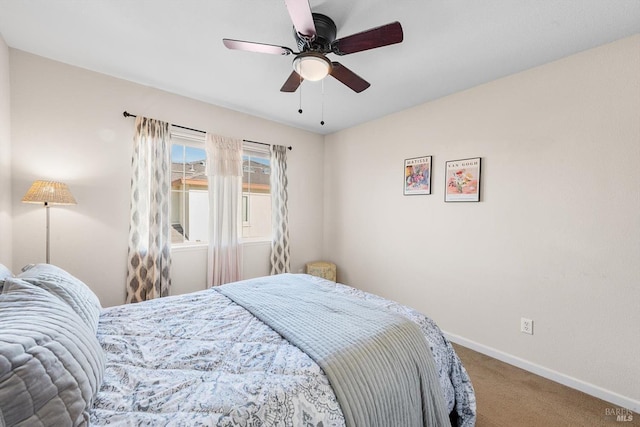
pixel 49 193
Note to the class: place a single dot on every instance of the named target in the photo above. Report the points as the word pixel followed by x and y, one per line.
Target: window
pixel 189 190
pixel 189 193
pixel 256 192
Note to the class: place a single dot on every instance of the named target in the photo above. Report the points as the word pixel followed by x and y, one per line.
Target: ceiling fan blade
pixel 349 78
pixel 300 13
pixel 292 83
pixel 369 39
pixel 256 47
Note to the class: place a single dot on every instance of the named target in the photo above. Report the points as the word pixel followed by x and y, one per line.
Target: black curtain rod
pixel 126 114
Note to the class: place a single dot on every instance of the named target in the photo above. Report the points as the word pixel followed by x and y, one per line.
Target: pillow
pixel 51 364
pixel 26 267
pixel 68 288
pixel 5 273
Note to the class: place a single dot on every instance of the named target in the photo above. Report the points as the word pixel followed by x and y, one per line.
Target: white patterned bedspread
pixel 200 359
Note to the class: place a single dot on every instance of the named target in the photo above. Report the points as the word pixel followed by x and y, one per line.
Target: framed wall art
pixel 463 180
pixel 417 176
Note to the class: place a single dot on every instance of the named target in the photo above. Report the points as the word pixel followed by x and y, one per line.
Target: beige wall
pixel 556 237
pixel 5 158
pixel 67 125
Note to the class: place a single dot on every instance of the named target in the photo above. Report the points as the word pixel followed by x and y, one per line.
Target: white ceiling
pixel 449 46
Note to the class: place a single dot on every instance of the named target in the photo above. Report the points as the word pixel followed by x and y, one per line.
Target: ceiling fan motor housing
pixel 325 34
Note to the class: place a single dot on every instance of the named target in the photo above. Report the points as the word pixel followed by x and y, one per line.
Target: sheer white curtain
pixel 280 257
pixel 224 160
pixel 149 256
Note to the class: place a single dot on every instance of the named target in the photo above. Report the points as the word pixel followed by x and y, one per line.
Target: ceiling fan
pixel 315 36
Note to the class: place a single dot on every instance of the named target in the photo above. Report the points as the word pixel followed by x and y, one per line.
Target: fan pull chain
pixel 322 106
pixel 300 97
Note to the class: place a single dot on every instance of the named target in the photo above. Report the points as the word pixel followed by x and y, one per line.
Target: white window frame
pixel 261 151
pixel 192 139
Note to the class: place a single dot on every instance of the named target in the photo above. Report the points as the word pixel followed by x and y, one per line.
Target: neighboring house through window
pixel 189 190
pixel 256 192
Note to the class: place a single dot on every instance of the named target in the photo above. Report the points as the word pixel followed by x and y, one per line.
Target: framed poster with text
pixel 417 175
pixel 463 180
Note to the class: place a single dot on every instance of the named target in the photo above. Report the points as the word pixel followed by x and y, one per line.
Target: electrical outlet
pixel 526 326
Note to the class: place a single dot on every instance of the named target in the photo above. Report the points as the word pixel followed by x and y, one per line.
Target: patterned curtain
pixel 280 257
pixel 149 259
pixel 224 160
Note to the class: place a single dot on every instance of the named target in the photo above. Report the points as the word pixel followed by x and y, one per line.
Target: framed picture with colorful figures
pixel 462 180
pixel 417 176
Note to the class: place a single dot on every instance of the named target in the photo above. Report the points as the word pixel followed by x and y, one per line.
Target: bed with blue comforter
pixel 224 357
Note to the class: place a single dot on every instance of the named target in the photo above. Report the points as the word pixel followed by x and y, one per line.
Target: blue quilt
pixel 377 362
pixel 201 359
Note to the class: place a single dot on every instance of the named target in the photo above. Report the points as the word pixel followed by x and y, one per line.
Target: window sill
pixel 189 247
pixel 255 242
pixel 201 246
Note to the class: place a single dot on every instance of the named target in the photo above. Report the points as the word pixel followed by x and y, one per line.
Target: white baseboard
pixel 590 389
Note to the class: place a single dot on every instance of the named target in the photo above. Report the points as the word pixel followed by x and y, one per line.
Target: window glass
pixel 256 193
pixel 189 194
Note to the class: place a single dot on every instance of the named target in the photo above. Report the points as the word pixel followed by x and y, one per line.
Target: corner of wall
pixel 6 235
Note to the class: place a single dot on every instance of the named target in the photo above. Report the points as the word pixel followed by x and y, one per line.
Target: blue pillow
pixel 68 288
pixel 51 363
pixel 5 273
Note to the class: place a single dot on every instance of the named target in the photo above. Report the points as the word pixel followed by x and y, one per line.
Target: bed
pixel 208 358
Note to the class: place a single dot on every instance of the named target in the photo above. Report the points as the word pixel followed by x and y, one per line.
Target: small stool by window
pixel 326 270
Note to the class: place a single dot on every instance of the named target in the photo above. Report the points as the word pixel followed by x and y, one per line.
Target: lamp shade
pixel 49 192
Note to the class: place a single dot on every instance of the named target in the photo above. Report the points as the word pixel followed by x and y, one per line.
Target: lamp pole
pixel 46 206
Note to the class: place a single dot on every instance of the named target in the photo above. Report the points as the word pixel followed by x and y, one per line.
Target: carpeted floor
pixel 511 397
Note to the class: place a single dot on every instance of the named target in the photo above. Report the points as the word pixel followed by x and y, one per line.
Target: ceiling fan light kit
pixel 312 66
